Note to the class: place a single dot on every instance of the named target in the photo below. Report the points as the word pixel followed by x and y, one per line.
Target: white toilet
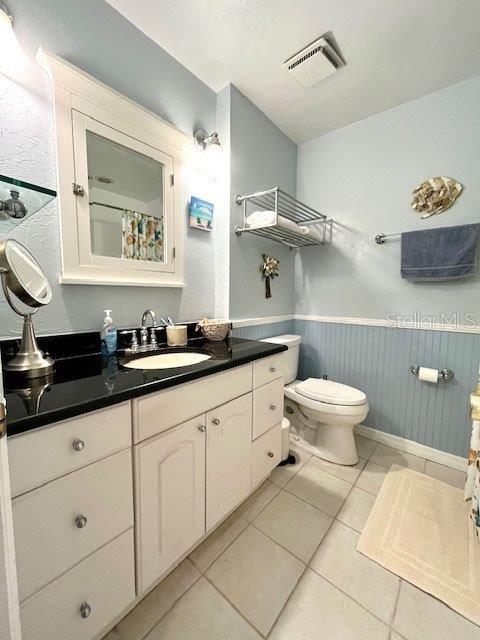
pixel 322 413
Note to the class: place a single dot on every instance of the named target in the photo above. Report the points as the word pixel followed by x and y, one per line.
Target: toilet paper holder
pixel 443 374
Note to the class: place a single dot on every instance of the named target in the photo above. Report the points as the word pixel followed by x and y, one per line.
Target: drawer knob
pixel 78 445
pixel 85 610
pixel 81 521
pixel 201 428
pixel 273 407
pixel 273 369
pixel 270 454
pixel 215 421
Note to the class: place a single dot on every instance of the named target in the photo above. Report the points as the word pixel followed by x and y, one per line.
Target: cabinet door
pixel 170 498
pixel 229 430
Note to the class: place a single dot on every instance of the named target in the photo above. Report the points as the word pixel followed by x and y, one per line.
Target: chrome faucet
pixel 144 330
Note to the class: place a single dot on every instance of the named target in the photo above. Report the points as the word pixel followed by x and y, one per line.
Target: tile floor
pixel 285 566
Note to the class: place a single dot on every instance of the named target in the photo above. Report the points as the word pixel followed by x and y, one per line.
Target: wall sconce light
pixel 204 141
pixel 13 59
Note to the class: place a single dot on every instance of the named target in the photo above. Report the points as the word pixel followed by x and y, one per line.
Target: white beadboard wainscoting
pixel 375 356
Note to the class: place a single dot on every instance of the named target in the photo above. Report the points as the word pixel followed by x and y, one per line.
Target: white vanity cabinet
pixel 73 524
pixel 169 498
pixel 107 503
pixel 228 457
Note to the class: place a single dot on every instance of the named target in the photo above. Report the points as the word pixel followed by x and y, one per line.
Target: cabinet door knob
pixel 78 445
pixel 215 421
pixel 273 407
pixel 273 369
pixel 201 427
pixel 270 454
pixel 85 610
pixel 80 521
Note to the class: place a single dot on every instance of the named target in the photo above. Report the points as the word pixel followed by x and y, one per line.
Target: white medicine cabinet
pixel 119 191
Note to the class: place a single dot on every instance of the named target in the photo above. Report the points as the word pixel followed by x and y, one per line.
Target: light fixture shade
pixel 13 60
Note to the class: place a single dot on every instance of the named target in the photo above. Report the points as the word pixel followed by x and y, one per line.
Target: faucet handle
pixel 153 338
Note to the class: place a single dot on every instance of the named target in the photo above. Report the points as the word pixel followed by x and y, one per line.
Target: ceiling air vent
pixel 313 63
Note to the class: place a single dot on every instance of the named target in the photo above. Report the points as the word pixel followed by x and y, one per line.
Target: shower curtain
pixel 142 237
pixel 472 486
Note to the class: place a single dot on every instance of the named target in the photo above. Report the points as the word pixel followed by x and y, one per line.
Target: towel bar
pixel 443 374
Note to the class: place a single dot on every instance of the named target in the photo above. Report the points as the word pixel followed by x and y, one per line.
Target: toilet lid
pixel 330 392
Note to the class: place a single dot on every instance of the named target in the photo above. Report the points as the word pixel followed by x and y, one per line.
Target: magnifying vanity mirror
pixel 22 276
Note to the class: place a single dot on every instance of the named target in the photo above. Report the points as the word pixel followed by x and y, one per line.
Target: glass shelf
pixel 19 200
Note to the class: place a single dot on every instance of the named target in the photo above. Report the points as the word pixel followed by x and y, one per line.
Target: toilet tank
pixel 290 357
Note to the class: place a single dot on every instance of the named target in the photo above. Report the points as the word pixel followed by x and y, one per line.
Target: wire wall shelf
pixel 283 218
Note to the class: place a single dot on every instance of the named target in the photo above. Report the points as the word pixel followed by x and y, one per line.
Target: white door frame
pixel 9 606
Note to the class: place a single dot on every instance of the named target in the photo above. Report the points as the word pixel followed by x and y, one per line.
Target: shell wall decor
pixel 435 195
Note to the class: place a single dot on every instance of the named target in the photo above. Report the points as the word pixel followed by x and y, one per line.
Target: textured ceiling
pixel 396 50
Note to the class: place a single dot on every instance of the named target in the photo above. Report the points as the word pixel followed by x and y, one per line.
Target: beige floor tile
pixel 396 636
pixel 257 576
pixel 347 473
pixel 386 456
pixel 319 611
pixel 258 501
pixel 371 478
pixel 294 524
pixel 113 635
pixel 206 553
pixel 356 509
pixel 421 617
pixel 446 474
pixel 202 614
pixel 365 581
pixel 319 488
pixel 149 611
pixel 281 475
pixel 365 447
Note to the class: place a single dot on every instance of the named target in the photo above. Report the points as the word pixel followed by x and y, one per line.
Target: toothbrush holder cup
pixel 177 335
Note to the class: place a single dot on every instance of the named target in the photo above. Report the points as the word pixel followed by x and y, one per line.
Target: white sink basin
pixel 167 360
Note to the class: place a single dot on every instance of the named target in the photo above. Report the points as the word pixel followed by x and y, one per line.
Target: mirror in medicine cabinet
pixel 126 201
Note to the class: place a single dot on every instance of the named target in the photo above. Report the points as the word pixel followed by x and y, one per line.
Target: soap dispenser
pixel 108 335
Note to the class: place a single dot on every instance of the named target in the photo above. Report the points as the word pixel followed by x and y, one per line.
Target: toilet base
pixel 334 443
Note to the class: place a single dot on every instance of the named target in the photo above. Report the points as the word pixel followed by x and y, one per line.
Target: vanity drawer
pixel 267 407
pixel 102 586
pixel 50 452
pixel 268 369
pixel 66 520
pixel 158 412
pixel 266 452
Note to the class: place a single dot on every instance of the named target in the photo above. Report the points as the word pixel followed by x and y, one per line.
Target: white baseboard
pixel 410 446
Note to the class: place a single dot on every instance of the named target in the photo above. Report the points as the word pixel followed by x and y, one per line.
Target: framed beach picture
pixel 201 214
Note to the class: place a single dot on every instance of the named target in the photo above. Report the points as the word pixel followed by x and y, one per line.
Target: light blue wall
pixel 377 360
pixel 362 177
pixel 260 331
pixel 261 157
pixel 92 35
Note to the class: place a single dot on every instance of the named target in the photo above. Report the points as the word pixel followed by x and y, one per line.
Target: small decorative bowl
pixel 214 330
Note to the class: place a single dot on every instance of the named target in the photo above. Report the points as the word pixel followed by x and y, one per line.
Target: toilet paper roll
pixel 428 375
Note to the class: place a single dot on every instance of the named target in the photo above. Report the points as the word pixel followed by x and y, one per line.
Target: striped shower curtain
pixel 142 237
pixel 472 487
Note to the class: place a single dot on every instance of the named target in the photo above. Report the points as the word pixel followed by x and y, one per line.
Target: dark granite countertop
pixel 87 382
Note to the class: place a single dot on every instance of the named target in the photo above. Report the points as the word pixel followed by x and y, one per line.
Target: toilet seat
pixel 324 407
pixel 331 392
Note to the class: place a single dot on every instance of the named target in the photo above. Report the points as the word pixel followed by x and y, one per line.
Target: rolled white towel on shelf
pixel 259 219
pixel 311 233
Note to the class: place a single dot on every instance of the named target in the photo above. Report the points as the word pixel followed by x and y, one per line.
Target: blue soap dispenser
pixel 108 335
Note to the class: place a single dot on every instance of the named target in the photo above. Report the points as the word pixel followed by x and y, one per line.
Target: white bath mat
pixel 418 529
